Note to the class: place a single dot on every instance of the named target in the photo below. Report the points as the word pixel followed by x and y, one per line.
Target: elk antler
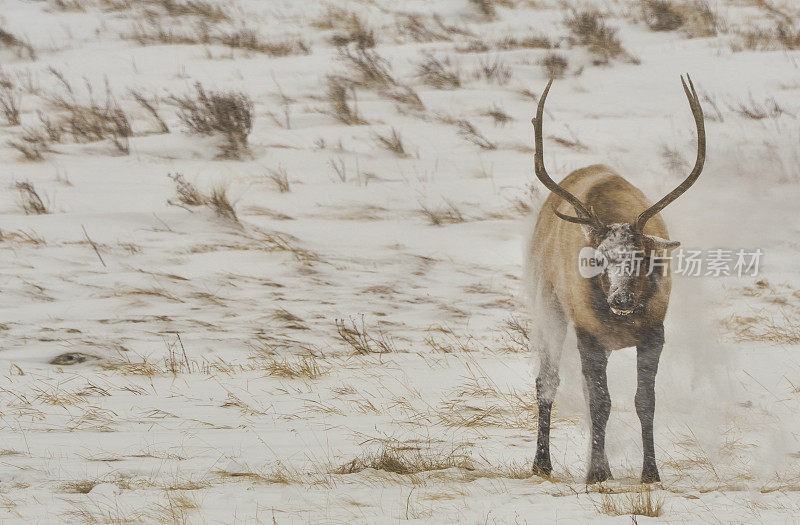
pixel 585 215
pixel 697 111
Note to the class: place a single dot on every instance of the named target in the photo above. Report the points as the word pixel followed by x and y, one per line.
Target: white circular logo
pixel 591 262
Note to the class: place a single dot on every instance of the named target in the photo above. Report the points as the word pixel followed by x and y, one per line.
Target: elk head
pixel 625 247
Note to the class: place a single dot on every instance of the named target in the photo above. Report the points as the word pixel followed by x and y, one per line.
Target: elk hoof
pixel 650 474
pixel 598 472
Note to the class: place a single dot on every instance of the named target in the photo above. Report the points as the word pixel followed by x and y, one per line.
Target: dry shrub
pixel 555 65
pixel 404 460
pixel 700 20
pixel 486 8
pixel 219 202
pixel 439 73
pixel 391 142
pixel 470 133
pixel 338 89
pixel 764 327
pixel 661 15
pixel 29 199
pixel 588 28
pixel 639 503
pixel 225 113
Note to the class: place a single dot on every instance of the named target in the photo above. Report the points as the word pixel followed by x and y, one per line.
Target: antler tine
pixel 697 111
pixel 586 215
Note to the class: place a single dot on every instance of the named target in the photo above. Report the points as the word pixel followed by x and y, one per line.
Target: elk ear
pixel 654 243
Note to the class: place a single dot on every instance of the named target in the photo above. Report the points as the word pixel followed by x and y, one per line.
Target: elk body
pixel 618 308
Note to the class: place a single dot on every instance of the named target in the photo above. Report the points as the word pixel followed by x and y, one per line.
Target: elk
pixel 617 308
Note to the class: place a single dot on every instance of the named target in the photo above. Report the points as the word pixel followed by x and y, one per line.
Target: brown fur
pixel 553 254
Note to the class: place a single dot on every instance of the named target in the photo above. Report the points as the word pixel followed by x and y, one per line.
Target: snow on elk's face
pixel 625 280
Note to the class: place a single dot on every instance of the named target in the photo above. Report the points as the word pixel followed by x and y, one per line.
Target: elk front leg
pixel 594 359
pixel 647 355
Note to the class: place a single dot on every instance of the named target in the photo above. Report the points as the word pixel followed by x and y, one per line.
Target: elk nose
pixel 622 301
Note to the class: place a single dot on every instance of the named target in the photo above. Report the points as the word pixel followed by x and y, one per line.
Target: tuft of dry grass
pixel 22 49
pixel 781 36
pixel 358 337
pixel 493 70
pixel 755 110
pixel 588 28
pixel 251 40
pixel 279 179
pixel 391 142
pixel 304 367
pixel 31 144
pixel 151 106
pixel 225 113
pixel 350 28
pixel 501 118
pixel 10 99
pixel 783 329
pixel 638 503
pixel 468 132
pixel 29 199
pixel 374 72
pixel 439 73
pixel 417 28
pixel 405 460
pixel 448 214
pixel 555 65
pixel 217 200
pixel 341 109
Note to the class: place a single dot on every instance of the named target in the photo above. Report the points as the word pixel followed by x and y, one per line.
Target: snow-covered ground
pixel 354 349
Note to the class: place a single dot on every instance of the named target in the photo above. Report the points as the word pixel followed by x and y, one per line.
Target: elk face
pixel 626 278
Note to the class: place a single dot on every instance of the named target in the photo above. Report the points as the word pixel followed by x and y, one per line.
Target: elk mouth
pixel 621 312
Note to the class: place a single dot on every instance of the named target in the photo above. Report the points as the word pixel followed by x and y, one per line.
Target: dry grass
pixel 447 214
pixel 10 99
pixel 225 113
pixel 22 49
pixel 31 144
pixel 555 65
pixel 755 110
pixel 498 114
pixel 439 73
pixel 372 71
pixel 781 329
pixel 638 503
pixel 493 70
pixel 468 132
pixel 251 40
pixel 29 199
pixel 416 28
pixel 151 106
pixel 87 122
pixel 349 28
pixel 406 460
pixel 358 337
pixel 217 200
pixel 293 368
pixel 781 36
pixel 392 142
pixel 279 178
pixel 588 28
pixel 340 107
